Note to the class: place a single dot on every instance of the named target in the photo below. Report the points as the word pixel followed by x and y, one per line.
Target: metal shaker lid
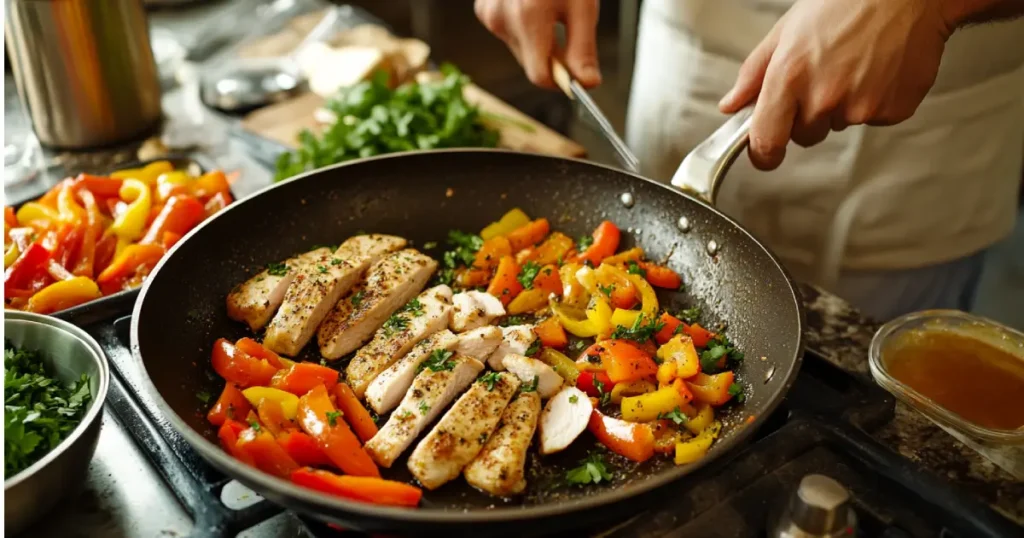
pixel 819 508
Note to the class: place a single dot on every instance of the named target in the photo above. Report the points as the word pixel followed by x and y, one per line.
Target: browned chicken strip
pixel 254 301
pixel 389 285
pixel 319 286
pixel 499 469
pixel 461 433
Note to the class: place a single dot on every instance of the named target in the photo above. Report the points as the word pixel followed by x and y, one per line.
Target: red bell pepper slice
pixel 104 187
pixel 661 276
pixel 228 435
pixel 318 417
pixel 302 448
pixel 594 383
pixel 712 389
pixel 216 203
pixel 20 273
pixel 356 415
pixel 237 366
pixel 259 351
pixel 359 488
pixel 179 215
pixel 630 439
pixel 551 333
pixel 671 324
pixel 606 242
pixel 700 335
pixel 231 405
pixel 303 377
pixel 505 285
pixel 622 360
pixel 266 454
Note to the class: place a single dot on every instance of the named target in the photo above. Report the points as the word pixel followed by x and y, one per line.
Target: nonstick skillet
pixel 421 196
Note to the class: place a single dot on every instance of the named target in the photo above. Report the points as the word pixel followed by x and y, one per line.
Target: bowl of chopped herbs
pixel 55 381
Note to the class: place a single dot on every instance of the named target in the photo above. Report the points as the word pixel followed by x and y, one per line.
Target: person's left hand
pixel 828 64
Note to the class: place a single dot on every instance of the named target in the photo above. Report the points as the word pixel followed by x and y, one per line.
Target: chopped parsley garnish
pixel 528 272
pixel 321 268
pixel 357 298
pixel 577 345
pixel 512 320
pixel 736 390
pixel 604 397
pixel 413 307
pixel 490 379
pixel 584 242
pixel 203 396
pixel 719 347
pixel 573 399
pixel 439 361
pixel 395 323
pixel 335 261
pixel 674 415
pixel 462 255
pixel 533 349
pixel 277 269
pixel 424 408
pixel 373 416
pixel 531 386
pixel 634 268
pixel 690 315
pixel 332 417
pixel 254 425
pixel 607 290
pixel 430 245
pixel 641 331
pixel 404 415
pixel 39 410
pixel 592 470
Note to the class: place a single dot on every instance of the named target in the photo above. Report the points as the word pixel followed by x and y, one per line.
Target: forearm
pixel 963 12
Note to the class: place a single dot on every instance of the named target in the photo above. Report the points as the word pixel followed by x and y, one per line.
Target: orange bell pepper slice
pixel 63 294
pixel 622 360
pixel 606 242
pixel 228 435
pixel 551 333
pixel 216 203
pixel 133 259
pixel 210 184
pixel 700 335
pixel 661 276
pixel 485 262
pixel 529 234
pixel 266 454
pixel 237 366
pixel 712 389
pixel 670 325
pixel 359 488
pixel 553 249
pixel 630 439
pixel 302 377
pixel 680 351
pixel 505 286
pixel 231 405
pixel 272 416
pixel 102 186
pixel 302 448
pixel 634 254
pixel 259 351
pixel 179 215
pixel 356 415
pixel 318 417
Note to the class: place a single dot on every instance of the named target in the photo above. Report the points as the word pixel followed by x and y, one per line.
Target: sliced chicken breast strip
pixel 319 286
pixel 515 339
pixel 254 301
pixel 475 309
pixel 500 467
pixel 563 419
pixel 462 431
pixel 479 343
pixel 389 284
pixel 386 390
pixel 530 371
pixel 416 321
pixel 431 392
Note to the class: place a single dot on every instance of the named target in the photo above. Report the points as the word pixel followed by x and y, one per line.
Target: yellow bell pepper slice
pixel 599 313
pixel 33 212
pixel 131 224
pixel 702 420
pixel 64 294
pixel 588 279
pixel 69 208
pixel 289 402
pixel 174 177
pixel 528 301
pixel 634 254
pixel 562 365
pixel 573 292
pixel 515 218
pixel 694 449
pixel 625 318
pixel 679 350
pixel 582 328
pixel 634 388
pixel 147 174
pixel 648 298
pixel 647 407
pixel 11 255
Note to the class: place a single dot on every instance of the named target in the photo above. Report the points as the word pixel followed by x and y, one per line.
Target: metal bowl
pixel 69 353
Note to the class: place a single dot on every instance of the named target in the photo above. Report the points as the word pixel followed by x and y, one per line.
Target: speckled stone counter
pixel 841 334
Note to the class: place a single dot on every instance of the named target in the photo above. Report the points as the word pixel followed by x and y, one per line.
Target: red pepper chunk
pixel 318 418
pixel 303 377
pixel 302 448
pixel 671 324
pixel 266 454
pixel 630 439
pixel 228 435
pixel 606 242
pixel 712 389
pixel 356 415
pixel 259 351
pixel 622 360
pixel 239 367
pixel 179 215
pixel 359 488
pixel 589 381
pixel 18 275
pixel 231 405
pixel 700 335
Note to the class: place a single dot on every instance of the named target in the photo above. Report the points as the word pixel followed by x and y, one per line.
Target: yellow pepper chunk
pixel 174 177
pixel 528 301
pixel 64 294
pixel 33 212
pixel 600 316
pixel 694 449
pixel 625 318
pixel 582 328
pixel 573 292
pixel 147 174
pixel 562 365
pixel 131 224
pixel 515 218
pixel 705 417
pixel 289 402
pixel 647 407
pixel 680 352
pixel 648 298
pixel 11 255
pixel 634 388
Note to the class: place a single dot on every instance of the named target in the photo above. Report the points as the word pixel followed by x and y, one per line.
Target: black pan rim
pixel 328 505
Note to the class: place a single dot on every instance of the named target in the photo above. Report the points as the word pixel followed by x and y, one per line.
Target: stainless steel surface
pixel 703 169
pixel 69 352
pixel 819 508
pixel 84 69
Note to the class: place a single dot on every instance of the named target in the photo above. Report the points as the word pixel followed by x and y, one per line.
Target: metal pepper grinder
pixel 84 69
pixel 819 508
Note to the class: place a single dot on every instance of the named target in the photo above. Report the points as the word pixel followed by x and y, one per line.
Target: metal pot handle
pixel 702 171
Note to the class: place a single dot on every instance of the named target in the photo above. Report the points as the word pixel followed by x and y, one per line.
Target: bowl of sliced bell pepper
pixel 96 237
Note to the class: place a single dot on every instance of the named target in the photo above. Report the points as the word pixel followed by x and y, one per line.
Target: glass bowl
pixel 976 327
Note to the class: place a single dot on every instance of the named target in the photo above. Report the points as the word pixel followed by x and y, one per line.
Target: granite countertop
pixel 840 333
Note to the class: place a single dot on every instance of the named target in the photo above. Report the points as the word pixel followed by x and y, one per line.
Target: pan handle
pixel 702 171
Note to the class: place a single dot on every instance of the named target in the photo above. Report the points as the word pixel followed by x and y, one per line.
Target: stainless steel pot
pixel 84 69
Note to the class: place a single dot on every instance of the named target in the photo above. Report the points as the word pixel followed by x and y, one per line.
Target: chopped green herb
pixel 719 347
pixel 509 321
pixel 335 261
pixel 404 415
pixel 607 290
pixel 464 252
pixel 574 398
pixel 413 307
pixel 490 379
pixel 277 269
pixel 603 397
pixel 531 386
pixel 592 470
pixel 584 242
pixel 674 415
pixel 373 416
pixel 736 390
pixel 395 323
pixel 528 272
pixel 357 298
pixel 203 396
pixel 39 410
pixel 332 417
pixel 690 315
pixel 323 362
pixel 534 348
pixel 321 268
pixel 634 268
pixel 424 408
pixel 430 245
pixel 254 425
pixel 641 331
pixel 577 345
pixel 439 361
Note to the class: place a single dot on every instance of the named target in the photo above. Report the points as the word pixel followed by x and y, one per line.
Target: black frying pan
pixel 422 196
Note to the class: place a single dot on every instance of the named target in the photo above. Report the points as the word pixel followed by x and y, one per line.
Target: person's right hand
pixel 528 28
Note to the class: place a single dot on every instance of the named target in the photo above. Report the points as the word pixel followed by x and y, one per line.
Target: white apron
pixel 937 188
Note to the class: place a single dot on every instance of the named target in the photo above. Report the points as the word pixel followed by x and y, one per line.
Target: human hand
pixel 528 28
pixel 828 64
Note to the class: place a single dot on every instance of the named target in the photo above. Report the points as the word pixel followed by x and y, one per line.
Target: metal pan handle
pixel 702 171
